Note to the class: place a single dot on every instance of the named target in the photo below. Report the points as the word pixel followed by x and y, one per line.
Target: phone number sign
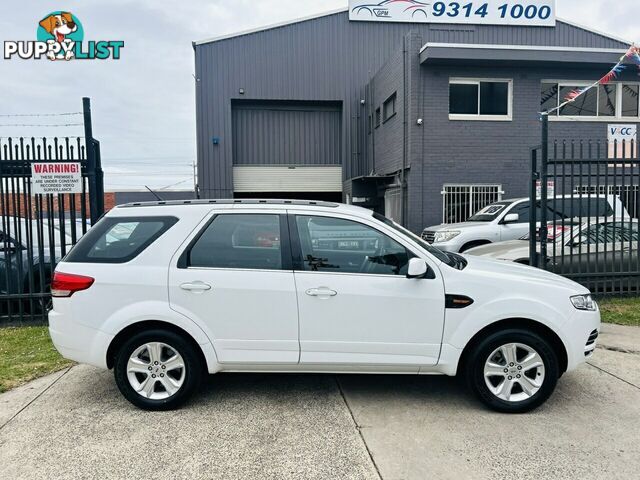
pixel 539 13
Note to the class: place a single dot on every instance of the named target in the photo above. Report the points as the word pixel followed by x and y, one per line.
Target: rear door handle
pixel 196 287
pixel 322 292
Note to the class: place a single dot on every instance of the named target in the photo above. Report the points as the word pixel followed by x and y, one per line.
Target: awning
pixel 477 54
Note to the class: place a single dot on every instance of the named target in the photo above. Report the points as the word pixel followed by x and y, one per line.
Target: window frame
pixel 556 117
pixel 479 116
pixel 285 244
pixel 392 100
pixel 296 246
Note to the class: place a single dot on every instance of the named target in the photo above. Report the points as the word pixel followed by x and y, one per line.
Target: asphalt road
pixel 74 424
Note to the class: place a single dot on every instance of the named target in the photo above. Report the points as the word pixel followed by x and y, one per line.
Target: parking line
pixel 35 398
pixel 358 428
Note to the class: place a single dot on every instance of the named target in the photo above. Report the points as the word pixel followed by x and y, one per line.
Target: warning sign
pixel 56 178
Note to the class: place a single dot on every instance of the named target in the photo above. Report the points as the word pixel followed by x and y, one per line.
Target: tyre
pixel 512 371
pixel 157 370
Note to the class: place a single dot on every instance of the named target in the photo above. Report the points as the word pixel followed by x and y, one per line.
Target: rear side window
pixel 242 241
pixel 119 239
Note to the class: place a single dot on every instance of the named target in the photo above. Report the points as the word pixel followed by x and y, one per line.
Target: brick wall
pixel 24 205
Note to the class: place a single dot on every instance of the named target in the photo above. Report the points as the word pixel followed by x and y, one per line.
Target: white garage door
pixel 253 179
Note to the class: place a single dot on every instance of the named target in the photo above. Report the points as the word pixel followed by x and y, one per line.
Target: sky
pixel 144 104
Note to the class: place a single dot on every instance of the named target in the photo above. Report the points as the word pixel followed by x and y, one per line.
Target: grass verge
pixel 621 311
pixel 26 353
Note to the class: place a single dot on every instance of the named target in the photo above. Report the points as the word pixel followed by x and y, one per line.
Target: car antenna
pixel 154 194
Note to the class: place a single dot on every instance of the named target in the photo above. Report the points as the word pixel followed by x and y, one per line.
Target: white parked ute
pixel 509 220
pixel 164 292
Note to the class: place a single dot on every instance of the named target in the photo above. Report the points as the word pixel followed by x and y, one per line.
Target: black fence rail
pixel 586 225
pixel 37 230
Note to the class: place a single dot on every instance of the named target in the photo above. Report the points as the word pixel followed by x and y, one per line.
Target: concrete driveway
pixel 75 424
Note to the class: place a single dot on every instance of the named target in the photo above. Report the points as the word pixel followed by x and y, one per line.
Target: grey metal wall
pixel 270 133
pixel 327 58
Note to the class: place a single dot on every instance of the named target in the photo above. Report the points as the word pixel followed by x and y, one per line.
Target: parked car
pixel 509 220
pixel 192 287
pixel 28 270
pixel 577 248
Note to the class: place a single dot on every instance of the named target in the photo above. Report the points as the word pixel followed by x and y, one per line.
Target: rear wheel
pixel 512 371
pixel 157 370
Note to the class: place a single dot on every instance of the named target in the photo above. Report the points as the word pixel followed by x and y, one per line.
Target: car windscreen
pixel 576 207
pixel 440 255
pixel 119 239
pixel 490 213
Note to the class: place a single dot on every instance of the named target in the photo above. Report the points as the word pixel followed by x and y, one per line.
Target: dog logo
pixel 60 36
pixel 62 28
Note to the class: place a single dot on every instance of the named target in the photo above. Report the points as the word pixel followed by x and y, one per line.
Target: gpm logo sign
pixel 60 36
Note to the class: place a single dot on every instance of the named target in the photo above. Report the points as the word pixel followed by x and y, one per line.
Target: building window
pixel 463 201
pixel 370 124
pixel 614 100
pixel 389 107
pixel 378 117
pixel 471 99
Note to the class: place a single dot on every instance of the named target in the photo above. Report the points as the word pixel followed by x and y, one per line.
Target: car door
pixel 356 305
pixel 235 277
pixel 516 230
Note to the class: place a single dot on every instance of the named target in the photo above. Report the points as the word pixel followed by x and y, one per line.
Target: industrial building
pixel 424 122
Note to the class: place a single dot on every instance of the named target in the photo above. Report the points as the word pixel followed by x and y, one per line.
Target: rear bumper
pixel 77 342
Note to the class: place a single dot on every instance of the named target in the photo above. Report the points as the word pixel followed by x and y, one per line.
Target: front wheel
pixel 157 370
pixel 513 371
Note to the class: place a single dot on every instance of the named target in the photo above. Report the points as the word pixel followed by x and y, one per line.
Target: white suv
pixel 509 220
pixel 163 292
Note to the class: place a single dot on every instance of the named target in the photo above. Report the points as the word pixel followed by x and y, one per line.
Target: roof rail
pixel 247 201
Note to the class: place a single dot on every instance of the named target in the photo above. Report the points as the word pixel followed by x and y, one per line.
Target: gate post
pixel 94 166
pixel 544 231
pixel 533 217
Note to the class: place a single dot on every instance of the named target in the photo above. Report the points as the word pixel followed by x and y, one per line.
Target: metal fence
pixel 36 231
pixel 462 201
pixel 586 222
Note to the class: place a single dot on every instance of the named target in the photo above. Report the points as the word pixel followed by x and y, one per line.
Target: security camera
pixel 363 102
pixel 420 122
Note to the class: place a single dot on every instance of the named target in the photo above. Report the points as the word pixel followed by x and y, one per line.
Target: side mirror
pixel 417 268
pixel 511 218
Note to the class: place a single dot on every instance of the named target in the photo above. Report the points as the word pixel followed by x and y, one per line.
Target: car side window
pixel 242 241
pixel 343 246
pixel 523 211
pixel 119 239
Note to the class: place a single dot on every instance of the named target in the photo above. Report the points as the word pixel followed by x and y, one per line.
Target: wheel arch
pixel 522 323
pixel 473 244
pixel 141 326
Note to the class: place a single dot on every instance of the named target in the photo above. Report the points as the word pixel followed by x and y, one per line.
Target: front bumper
pixel 581 332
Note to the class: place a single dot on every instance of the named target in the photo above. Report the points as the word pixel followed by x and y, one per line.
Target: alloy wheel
pixel 156 371
pixel 514 372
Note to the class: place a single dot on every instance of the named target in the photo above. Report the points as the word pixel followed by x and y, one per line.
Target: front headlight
pixel 584 302
pixel 446 235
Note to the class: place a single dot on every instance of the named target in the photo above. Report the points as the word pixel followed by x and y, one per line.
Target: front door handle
pixel 196 287
pixel 321 292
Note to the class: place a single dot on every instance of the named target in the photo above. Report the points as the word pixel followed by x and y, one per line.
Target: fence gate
pixel 36 231
pixel 586 222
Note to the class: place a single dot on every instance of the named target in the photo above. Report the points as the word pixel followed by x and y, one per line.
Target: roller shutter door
pixel 287 147
pixel 249 179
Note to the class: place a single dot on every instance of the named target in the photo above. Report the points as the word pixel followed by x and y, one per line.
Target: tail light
pixel 66 284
